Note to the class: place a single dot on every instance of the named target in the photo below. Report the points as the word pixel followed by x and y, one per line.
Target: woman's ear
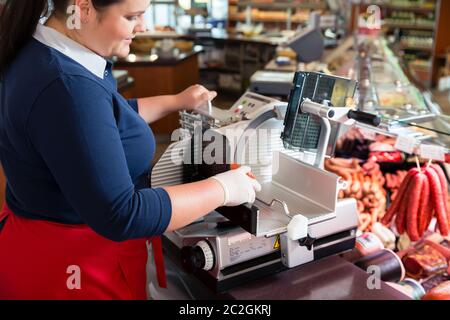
pixel 86 10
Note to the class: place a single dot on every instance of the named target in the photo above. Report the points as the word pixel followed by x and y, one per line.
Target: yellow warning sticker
pixel 276 245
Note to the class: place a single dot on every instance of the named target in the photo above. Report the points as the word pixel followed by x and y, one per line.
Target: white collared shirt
pixel 56 40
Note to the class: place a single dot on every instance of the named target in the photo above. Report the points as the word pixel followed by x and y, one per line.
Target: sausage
pixel 400 220
pixel 367 203
pixel 374 212
pixel 438 200
pixel 345 163
pixel 360 206
pixel 348 190
pixel 395 181
pixel 444 187
pixel 356 185
pixel 359 195
pixel 394 194
pixel 367 185
pixel 413 206
pixel 403 201
pixel 344 173
pixel 389 182
pixel 424 208
pixel 364 221
pixel 379 179
pixel 399 197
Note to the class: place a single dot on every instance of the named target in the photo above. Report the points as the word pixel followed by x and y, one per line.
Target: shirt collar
pixel 56 40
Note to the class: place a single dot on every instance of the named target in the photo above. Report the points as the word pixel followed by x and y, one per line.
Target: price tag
pixel 428 151
pixel 405 144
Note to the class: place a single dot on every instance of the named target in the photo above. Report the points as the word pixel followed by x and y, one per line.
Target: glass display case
pixel 385 89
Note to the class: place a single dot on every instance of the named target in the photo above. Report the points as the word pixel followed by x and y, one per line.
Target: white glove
pixel 238 187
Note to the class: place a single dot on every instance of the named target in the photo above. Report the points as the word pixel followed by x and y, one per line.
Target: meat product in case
pixel 424 262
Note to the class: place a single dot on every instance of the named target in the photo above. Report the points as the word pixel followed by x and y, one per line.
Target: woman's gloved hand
pixel 238 186
pixel 195 96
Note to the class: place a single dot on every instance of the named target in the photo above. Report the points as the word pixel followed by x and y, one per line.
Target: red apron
pixel 42 260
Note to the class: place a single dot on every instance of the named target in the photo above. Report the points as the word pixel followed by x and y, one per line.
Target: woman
pixel 77 155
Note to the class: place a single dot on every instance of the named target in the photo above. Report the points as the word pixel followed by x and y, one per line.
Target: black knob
pixel 307 242
pixel 197 257
pixel 192 258
pixel 364 117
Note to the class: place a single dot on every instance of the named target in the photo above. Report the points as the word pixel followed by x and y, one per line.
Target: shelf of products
pixel 420 20
pixel 422 40
pixel 405 5
pixel 277 14
pixel 428 7
pixel 405 26
pixel 283 5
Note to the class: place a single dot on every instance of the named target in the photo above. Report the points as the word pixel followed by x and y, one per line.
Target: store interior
pixel 356 97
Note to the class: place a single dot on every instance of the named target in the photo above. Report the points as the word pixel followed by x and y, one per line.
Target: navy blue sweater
pixel 74 150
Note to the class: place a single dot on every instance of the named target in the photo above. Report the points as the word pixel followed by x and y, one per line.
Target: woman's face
pixel 110 31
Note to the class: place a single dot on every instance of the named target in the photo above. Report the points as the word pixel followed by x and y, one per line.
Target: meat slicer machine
pixel 296 218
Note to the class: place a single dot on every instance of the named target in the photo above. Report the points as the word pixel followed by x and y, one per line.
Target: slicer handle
pixel 364 117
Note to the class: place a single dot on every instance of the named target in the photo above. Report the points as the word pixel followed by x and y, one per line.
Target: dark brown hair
pixel 18 21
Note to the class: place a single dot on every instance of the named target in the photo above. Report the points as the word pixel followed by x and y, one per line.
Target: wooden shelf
pixel 416 48
pixel 242 19
pixel 281 6
pixel 281 11
pixel 390 6
pixel 417 9
pixel 407 26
